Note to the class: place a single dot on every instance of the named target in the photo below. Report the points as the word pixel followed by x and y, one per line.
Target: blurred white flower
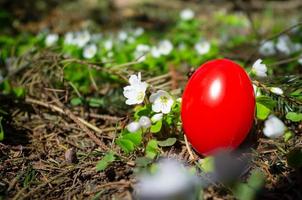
pixel 138 31
pixel 135 92
pixel 202 47
pixel 284 44
pixel 165 47
pixel 51 39
pixel 276 90
pixel 81 38
pixel 131 39
pixel 89 51
pixel 108 44
pixel 179 99
pixel 157 117
pixel 300 61
pixel 170 181
pixel 122 35
pixel 273 127
pixel 133 127
pixel 259 69
pixel 69 38
pixel 187 14
pixel 96 37
pixel 140 52
pixel 144 122
pixel 161 101
pixel 155 52
pixel 267 48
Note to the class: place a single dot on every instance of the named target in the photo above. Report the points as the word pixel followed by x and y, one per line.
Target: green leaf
pixel 135 138
pixel 266 101
pixel 19 92
pixel 262 112
pixel 166 143
pixel 76 101
pixel 294 158
pixel 256 180
pixel 288 135
pixel 243 191
pixel 151 149
pixel 1 130
pixel 155 128
pixel 207 164
pixel 105 161
pixel 143 161
pixel 95 102
pixel 295 117
pixel 126 145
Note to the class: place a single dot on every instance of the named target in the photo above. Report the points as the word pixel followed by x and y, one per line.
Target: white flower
pixel 300 61
pixel 155 52
pixel 140 52
pixel 89 51
pixel 51 39
pixel 133 127
pixel 135 92
pixel 144 122
pixel 96 37
pixel 259 69
pixel 162 101
pixel 157 117
pixel 138 31
pixel 122 36
pixel 202 47
pixel 187 14
pixel 171 180
pixel 69 38
pixel 82 38
pixel 276 90
pixel 165 47
pixel 284 44
pixel 267 48
pixel 108 44
pixel 273 127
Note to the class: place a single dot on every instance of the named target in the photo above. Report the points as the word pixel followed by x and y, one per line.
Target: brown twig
pixel 79 121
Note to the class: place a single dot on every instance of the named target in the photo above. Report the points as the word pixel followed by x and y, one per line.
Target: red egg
pixel 218 106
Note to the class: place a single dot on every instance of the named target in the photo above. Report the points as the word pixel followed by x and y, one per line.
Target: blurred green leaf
pixel 262 112
pixel 293 116
pixel 288 135
pixel 105 161
pixel 155 128
pixel 126 145
pixel 76 101
pixel 256 180
pixel 151 149
pixel 207 164
pixel 143 161
pixel 19 92
pixel 135 138
pixel 266 101
pixel 166 143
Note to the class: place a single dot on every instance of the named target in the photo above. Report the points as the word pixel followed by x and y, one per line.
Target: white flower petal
pixel 144 122
pixel 187 14
pixel 133 127
pixel 156 117
pixel 273 127
pixel 259 69
pixel 51 39
pixel 276 90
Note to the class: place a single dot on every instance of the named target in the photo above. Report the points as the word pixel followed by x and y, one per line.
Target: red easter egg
pixel 218 106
